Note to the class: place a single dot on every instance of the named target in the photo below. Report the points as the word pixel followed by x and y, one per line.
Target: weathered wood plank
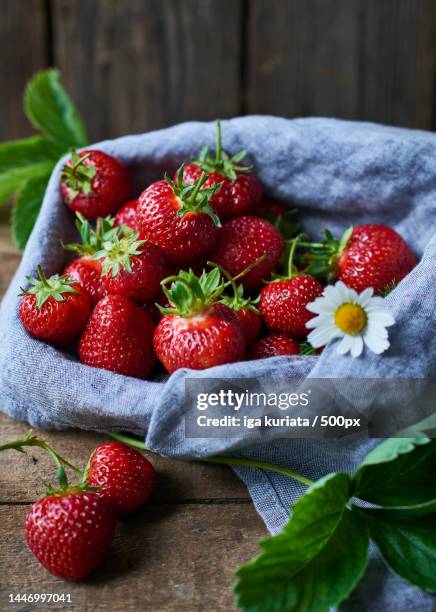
pixel 24 478
pixel 23 51
pixel 136 65
pixel 344 58
pixel 9 258
pixel 164 558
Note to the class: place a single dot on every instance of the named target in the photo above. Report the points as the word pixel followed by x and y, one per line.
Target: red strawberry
pixel 118 337
pixel 366 256
pixel 55 309
pixel 126 215
pixel 125 476
pixel 272 208
pixel 240 190
pixel 283 304
pixel 178 219
pixel 197 332
pixel 70 533
pixel 85 269
pixel 94 183
pixel 374 256
pixel 274 345
pixel 242 241
pixel 244 310
pixel 132 267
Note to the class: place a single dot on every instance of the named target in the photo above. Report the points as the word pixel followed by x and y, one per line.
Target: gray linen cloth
pixel 337 173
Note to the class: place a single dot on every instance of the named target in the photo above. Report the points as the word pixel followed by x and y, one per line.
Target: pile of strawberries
pixel 198 271
pixel 71 529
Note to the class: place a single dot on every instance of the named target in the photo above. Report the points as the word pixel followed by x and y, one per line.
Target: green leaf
pixel 51 110
pixel 13 180
pixel 393 513
pixel 409 548
pixel 399 472
pixel 26 209
pixel 315 562
pixel 27 152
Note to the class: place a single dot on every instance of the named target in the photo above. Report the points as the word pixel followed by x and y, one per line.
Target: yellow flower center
pixel 350 318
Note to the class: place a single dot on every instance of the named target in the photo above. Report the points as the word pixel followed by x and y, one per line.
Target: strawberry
pixel 126 477
pixel 132 267
pixel 94 183
pixel 240 190
pixel 196 332
pixel 242 241
pixel 55 309
pixel 70 533
pixel 282 303
pixel 178 219
pixel 366 256
pixel 118 337
pixel 244 310
pixel 274 345
pixel 272 208
pixel 126 215
pixel 86 270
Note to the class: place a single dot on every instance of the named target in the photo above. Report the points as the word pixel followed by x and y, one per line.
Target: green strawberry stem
pixel 253 463
pixel 31 440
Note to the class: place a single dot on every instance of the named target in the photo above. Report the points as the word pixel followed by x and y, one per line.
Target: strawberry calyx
pixel 220 161
pixel 45 288
pixel 117 252
pixel 236 301
pixel 92 240
pixel 192 197
pixel 78 176
pixel 189 294
pixel 322 258
pixel 285 224
pixel 291 270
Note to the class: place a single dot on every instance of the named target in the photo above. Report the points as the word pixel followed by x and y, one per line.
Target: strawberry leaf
pixel 408 547
pixel 315 562
pixel 51 110
pixel 398 472
pixel 14 179
pixel 27 207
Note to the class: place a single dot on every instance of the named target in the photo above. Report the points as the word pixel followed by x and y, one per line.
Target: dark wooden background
pixel 135 65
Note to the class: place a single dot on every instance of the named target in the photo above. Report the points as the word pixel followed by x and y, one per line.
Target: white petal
pixel 347 294
pixel 375 343
pixel 376 303
pixel 345 344
pixel 320 337
pixel 383 317
pixel 364 298
pixel 320 320
pixel 320 306
pixel 333 296
pixel 376 330
pixel 356 346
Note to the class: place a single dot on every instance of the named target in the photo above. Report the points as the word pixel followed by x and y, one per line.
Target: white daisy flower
pixel 356 318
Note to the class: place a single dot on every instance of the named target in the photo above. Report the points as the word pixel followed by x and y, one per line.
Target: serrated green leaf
pixel 27 152
pixel 14 180
pixel 409 548
pixel 398 472
pixel 310 566
pixel 51 110
pixel 26 209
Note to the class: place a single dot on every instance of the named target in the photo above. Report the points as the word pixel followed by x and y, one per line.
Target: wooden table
pixel 177 553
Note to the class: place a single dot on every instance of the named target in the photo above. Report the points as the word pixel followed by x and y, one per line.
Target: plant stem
pixel 218 142
pixel 253 463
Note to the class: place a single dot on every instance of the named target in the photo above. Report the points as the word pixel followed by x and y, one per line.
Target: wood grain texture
pixel 23 478
pixel 136 65
pixel 24 50
pixel 164 558
pixel 351 59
